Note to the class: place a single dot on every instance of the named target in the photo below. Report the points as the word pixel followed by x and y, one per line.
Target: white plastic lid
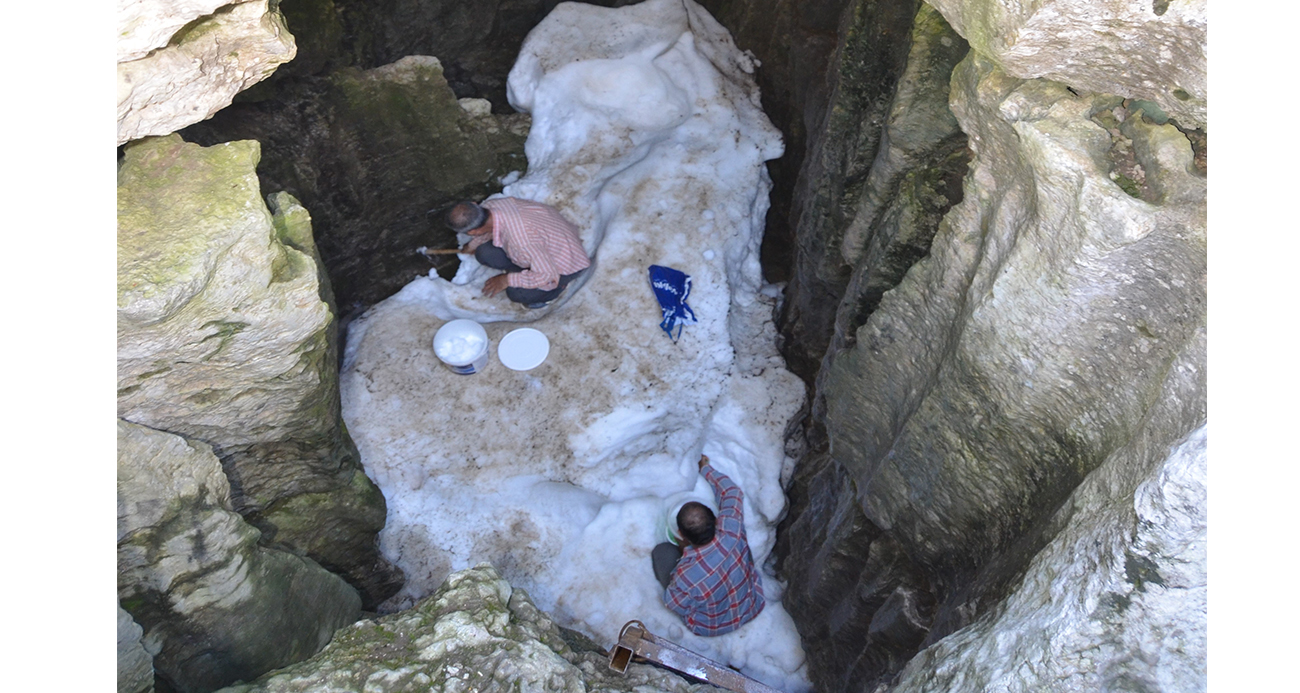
pixel 523 349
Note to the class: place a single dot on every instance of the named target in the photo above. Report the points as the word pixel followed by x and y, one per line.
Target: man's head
pixel 696 523
pixel 468 217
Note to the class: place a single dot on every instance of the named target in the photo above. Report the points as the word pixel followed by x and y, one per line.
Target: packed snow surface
pixel 647 133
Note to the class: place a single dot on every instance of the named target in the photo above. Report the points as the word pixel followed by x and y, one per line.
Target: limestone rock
pixel 134 663
pixel 221 326
pixel 476 41
pixel 475 633
pixel 143 25
pixel 1034 338
pixel 1117 601
pixel 1057 322
pixel 375 155
pixel 796 42
pixel 913 182
pixel 918 121
pixel 225 335
pixel 214 605
pixel 1152 50
pixel 180 62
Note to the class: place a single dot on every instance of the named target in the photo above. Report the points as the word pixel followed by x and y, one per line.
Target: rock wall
pixel 1111 602
pixel 476 633
pixel 225 335
pixel 180 61
pixel 1050 342
pixel 376 155
pixel 215 606
pixel 1152 51
pixel 1033 341
pixel 134 663
pixel 828 74
pixel 794 41
pixel 979 419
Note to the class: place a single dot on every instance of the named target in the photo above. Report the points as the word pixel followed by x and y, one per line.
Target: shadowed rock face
pixel 375 155
pixel 134 663
pixel 796 42
pixel 477 41
pixel 828 75
pixel 215 606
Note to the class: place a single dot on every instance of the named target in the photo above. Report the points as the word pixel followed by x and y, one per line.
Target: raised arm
pixel 730 499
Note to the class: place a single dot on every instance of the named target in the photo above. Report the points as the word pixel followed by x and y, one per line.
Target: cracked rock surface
pixel 215 607
pixel 476 633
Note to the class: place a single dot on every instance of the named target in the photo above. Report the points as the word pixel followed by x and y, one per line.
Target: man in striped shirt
pixel 537 247
pixel 712 583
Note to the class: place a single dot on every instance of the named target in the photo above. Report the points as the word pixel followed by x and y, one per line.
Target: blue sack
pixel 672 287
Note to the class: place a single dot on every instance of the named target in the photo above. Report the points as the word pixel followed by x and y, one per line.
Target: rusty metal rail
pixel 634 639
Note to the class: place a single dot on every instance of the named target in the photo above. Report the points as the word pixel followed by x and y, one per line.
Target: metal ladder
pixel 635 639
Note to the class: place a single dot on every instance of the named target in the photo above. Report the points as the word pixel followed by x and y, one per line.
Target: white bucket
pixel 462 345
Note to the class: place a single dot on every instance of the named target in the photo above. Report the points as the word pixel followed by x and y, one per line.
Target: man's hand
pixel 495 285
pixel 704 459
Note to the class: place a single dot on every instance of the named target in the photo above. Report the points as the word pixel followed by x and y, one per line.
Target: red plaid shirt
pixel 535 236
pixel 715 588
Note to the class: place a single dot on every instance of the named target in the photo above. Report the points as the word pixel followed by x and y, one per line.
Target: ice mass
pixel 647 133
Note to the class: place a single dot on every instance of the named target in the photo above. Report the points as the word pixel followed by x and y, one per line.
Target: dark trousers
pixel 493 256
pixel 664 559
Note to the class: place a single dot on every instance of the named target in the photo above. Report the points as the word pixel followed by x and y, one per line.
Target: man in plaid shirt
pixel 537 247
pixel 712 584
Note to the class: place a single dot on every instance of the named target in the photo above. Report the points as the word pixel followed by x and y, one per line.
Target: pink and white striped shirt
pixel 535 236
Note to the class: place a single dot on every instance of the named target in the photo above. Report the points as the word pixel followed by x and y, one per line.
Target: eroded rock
pixel 179 62
pixel 143 25
pixel 1057 322
pixel 134 663
pixel 475 633
pixel 1116 601
pixel 225 335
pixel 1152 50
pixel 862 607
pixel 215 606
pixel 843 142
pixel 1033 340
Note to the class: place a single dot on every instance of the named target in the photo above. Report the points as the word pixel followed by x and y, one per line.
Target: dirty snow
pixel 647 133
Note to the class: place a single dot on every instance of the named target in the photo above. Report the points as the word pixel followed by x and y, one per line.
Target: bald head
pixel 466 216
pixel 696 523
